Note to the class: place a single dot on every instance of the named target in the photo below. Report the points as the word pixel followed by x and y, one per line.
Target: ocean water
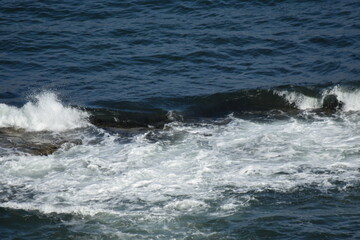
pixel 180 119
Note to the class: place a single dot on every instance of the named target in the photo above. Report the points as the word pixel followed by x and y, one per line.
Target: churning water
pixel 180 120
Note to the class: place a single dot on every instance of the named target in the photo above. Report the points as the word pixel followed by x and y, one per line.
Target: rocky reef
pixel 34 143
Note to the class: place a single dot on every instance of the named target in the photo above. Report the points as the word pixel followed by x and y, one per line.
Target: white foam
pixel 349 97
pixel 51 208
pixel 45 113
pixel 194 168
pixel 300 100
pixel 187 205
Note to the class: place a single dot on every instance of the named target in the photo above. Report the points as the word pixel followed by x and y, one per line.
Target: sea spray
pixel 349 98
pixel 44 113
pixel 300 100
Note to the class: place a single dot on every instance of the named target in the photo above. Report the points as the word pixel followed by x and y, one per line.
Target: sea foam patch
pixel 210 167
pixel 44 113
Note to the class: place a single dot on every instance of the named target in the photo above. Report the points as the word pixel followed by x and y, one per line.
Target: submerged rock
pixel 331 103
pixel 34 143
pixel 124 120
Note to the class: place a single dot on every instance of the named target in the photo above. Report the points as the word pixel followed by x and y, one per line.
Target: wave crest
pixel 349 97
pixel 44 113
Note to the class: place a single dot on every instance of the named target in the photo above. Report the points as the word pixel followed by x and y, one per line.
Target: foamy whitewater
pixel 44 113
pixel 180 120
pixel 149 183
pixel 350 97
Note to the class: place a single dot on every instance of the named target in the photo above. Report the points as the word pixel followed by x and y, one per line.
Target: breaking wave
pixel 44 113
pixel 349 97
pixel 287 99
pixel 211 168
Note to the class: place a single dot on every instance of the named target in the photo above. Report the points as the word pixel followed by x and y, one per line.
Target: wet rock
pixel 124 119
pixel 331 103
pixel 35 143
pixel 39 149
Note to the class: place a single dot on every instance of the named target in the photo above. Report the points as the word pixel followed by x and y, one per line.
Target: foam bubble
pixel 44 113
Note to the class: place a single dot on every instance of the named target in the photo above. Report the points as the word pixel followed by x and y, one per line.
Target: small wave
pixel 44 113
pixel 286 99
pixel 348 97
pixel 300 100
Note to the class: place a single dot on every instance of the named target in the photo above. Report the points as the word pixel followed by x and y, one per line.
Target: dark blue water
pixel 133 50
pixel 231 92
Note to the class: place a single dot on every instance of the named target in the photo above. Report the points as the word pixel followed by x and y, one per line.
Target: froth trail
pixel 44 113
pixel 184 173
pixel 186 166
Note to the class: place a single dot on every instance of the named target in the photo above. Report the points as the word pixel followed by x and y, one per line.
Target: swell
pixel 46 112
pixel 285 100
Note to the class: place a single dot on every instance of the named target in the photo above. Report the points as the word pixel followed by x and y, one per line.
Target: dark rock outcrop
pixel 331 103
